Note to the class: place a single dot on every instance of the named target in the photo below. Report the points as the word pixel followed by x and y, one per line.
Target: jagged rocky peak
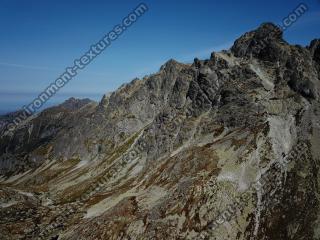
pixel 171 65
pixel 266 45
pixel 105 100
pixel 269 30
pixel 263 43
pixel 75 103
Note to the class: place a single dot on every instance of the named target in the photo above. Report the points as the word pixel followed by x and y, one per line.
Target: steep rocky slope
pixel 224 148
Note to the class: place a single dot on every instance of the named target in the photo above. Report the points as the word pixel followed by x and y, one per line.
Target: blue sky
pixel 39 39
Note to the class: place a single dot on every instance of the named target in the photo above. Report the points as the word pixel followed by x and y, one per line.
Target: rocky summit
pixel 223 148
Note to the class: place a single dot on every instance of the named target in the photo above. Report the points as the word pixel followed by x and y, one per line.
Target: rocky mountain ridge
pixel 165 156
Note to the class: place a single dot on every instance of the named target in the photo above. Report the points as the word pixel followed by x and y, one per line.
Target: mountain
pixel 9 117
pixel 223 148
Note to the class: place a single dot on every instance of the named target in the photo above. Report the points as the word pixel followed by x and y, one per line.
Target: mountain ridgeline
pixel 170 156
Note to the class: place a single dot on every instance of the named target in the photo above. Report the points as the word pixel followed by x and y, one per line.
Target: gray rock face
pixel 19 150
pixel 315 50
pixel 223 148
pixel 264 43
